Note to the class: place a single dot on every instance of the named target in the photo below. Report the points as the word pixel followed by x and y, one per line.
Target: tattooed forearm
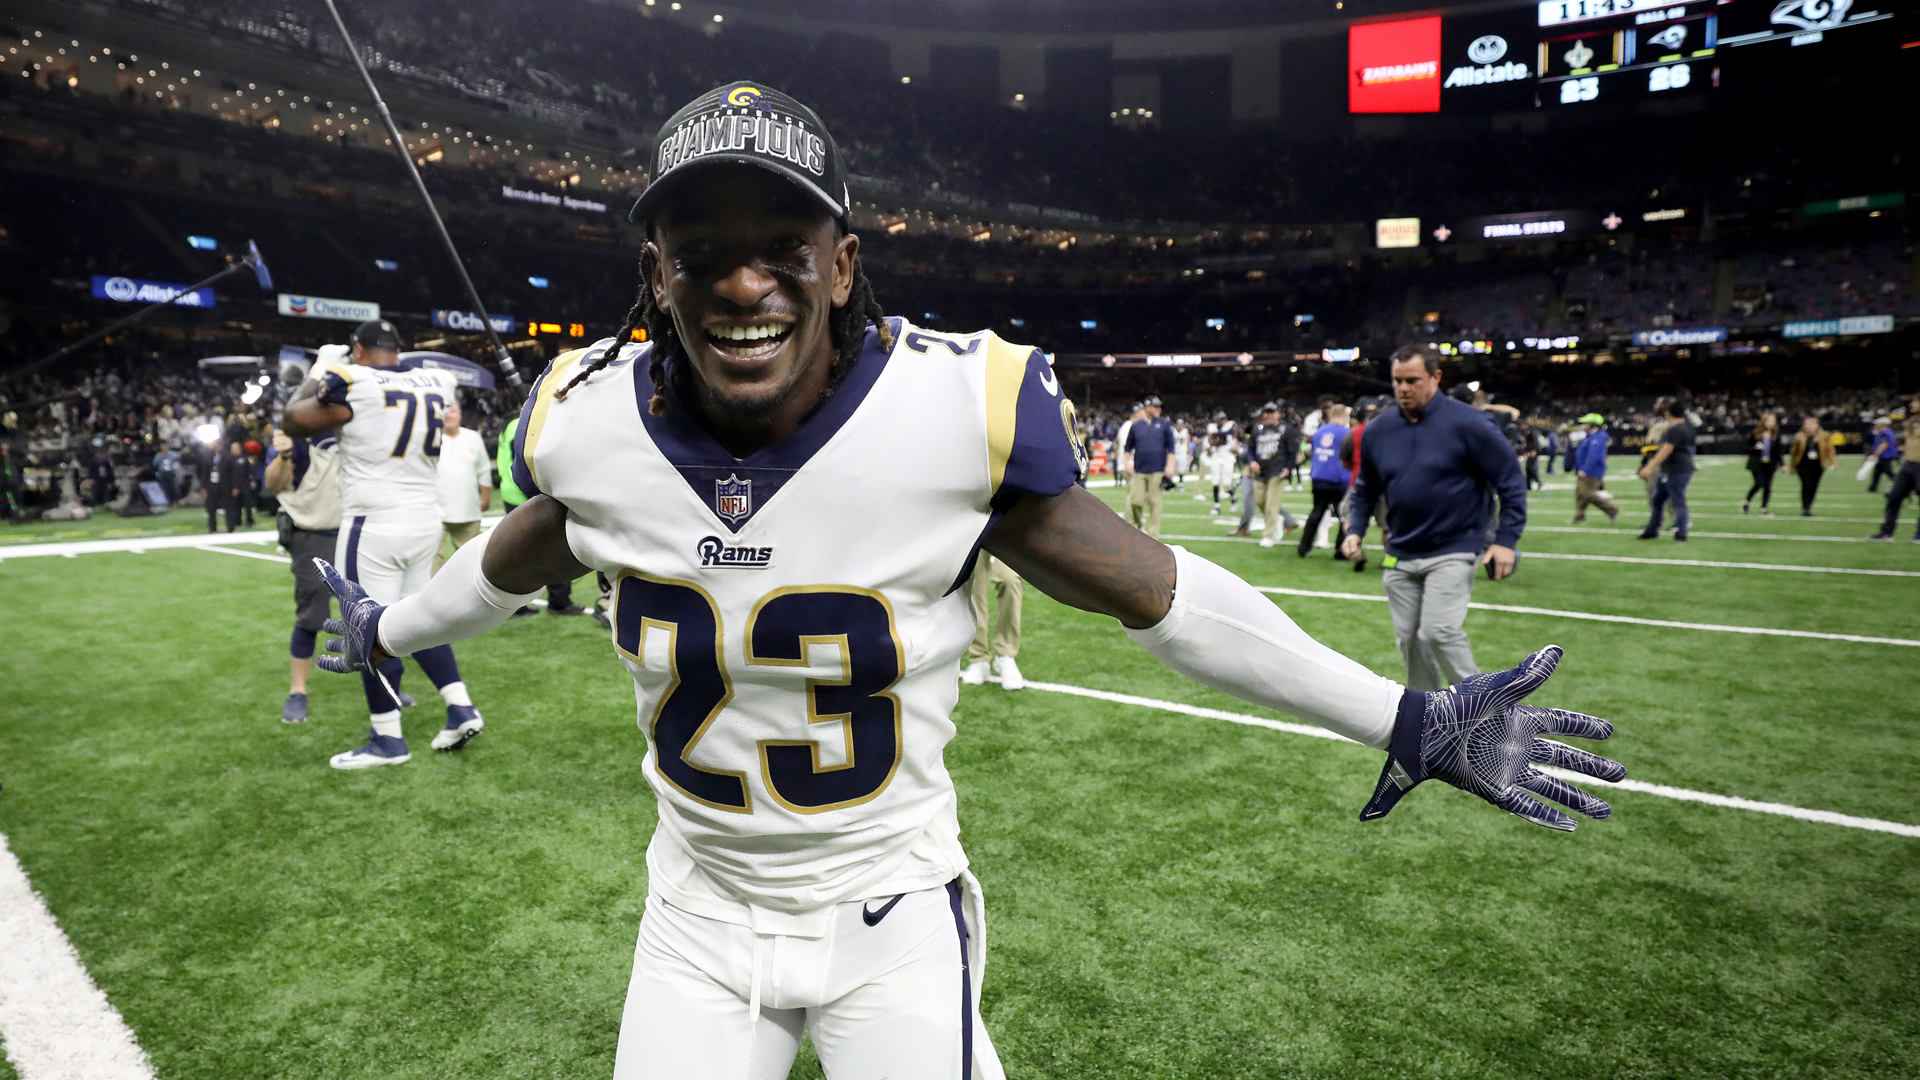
pixel 1076 550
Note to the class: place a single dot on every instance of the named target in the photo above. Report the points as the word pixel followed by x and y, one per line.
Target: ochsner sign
pixel 326 307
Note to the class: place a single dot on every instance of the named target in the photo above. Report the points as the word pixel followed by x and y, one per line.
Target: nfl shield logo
pixel 733 498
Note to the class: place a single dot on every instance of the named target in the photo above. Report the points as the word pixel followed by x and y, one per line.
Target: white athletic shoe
pixel 1009 672
pixel 976 673
pixel 463 723
pixel 1266 541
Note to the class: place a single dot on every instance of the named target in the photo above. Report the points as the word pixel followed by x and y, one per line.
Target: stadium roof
pixel 1071 16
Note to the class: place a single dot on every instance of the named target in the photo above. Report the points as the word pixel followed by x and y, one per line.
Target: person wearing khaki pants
pixel 998 641
pixel 465 479
pixel 1150 439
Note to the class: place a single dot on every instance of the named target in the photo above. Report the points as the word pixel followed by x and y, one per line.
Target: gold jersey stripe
pixel 1006 369
pixel 555 378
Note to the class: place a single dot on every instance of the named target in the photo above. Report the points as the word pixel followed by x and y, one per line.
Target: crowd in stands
pixel 614 65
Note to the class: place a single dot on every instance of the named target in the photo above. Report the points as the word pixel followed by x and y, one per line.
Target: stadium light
pixel 251 394
pixel 208 433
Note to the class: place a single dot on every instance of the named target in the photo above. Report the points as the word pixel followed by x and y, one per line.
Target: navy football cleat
pixel 295 710
pixel 1477 736
pixel 463 723
pixel 379 750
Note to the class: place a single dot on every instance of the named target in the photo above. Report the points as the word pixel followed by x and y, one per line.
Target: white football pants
pixel 887 994
pixel 390 553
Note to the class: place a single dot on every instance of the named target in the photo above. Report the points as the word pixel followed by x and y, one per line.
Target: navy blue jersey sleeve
pixel 1031 422
pixel 1496 461
pixel 333 388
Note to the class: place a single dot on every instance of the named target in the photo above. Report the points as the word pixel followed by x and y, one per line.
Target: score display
pixel 1569 53
pixel 1586 54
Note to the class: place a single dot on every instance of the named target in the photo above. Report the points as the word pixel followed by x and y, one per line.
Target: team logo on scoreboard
pixel 1580 56
pixel 733 498
pixel 1671 37
pixel 1812 14
pixel 1486 49
pixel 745 97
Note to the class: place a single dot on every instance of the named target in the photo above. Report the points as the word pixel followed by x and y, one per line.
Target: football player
pixel 388 419
pixel 791 612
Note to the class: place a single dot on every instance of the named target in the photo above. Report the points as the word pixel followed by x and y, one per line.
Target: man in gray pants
pixel 1438 464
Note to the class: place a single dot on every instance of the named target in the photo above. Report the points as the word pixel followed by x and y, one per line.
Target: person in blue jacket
pixel 1589 470
pixel 1439 464
pixel 1883 451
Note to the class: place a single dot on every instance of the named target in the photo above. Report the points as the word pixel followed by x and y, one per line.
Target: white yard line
pixel 56 1022
pixel 138 545
pixel 1590 616
pixel 1826 817
pixel 1631 533
pixel 249 554
pixel 1783 567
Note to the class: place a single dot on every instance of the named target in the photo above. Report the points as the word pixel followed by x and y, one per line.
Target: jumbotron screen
pixel 1571 53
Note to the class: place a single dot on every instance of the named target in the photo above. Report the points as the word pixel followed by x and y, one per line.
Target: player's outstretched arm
pixel 1206 623
pixel 484 583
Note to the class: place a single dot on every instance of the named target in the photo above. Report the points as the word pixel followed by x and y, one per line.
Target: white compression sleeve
pixel 1225 633
pixel 458 603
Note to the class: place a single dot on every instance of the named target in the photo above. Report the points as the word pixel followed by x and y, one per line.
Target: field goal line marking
pixel 1634 559
pixel 1665 791
pixel 56 1022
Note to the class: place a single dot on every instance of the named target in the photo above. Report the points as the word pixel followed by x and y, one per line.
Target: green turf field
pixel 1168 896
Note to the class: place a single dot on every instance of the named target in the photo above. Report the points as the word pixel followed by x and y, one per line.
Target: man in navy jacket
pixel 1438 464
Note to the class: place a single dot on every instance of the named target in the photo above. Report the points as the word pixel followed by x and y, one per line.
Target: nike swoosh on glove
pixel 1477 736
pixel 358 624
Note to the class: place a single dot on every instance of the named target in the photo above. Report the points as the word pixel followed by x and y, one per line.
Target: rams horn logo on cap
pixel 744 96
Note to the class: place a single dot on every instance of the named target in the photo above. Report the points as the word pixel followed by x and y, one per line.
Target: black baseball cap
pixel 1154 401
pixel 749 124
pixel 377 334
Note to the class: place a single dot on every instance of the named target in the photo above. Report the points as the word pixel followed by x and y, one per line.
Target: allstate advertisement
pixel 326 307
pixel 139 291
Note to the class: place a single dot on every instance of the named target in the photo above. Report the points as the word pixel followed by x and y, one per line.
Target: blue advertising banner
pixel 469 321
pixel 1703 335
pixel 140 291
pixel 1855 324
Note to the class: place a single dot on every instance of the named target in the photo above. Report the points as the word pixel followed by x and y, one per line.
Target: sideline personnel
pixel 1438 464
pixel 465 479
pixel 1150 439
pixel 305 476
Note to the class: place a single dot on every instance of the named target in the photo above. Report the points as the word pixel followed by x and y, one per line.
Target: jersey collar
pixel 735 489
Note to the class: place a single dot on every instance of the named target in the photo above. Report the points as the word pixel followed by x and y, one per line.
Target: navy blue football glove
pixel 358 624
pixel 1477 736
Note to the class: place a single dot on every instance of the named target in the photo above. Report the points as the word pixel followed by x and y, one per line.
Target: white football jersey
pixel 390 449
pixel 793 620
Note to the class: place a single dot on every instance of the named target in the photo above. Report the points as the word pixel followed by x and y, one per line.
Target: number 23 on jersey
pixel 783 629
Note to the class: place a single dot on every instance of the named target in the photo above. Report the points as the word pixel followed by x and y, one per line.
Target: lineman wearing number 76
pixel 388 415
pixel 793 615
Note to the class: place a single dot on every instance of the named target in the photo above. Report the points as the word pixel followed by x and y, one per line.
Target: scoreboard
pixel 1557 54
pixel 1591 49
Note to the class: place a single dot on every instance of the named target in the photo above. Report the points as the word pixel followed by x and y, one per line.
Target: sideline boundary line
pixel 1635 559
pixel 1825 817
pixel 1591 616
pixel 138 545
pixel 57 1024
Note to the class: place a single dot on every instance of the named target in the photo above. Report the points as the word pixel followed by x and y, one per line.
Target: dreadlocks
pixel 847 327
